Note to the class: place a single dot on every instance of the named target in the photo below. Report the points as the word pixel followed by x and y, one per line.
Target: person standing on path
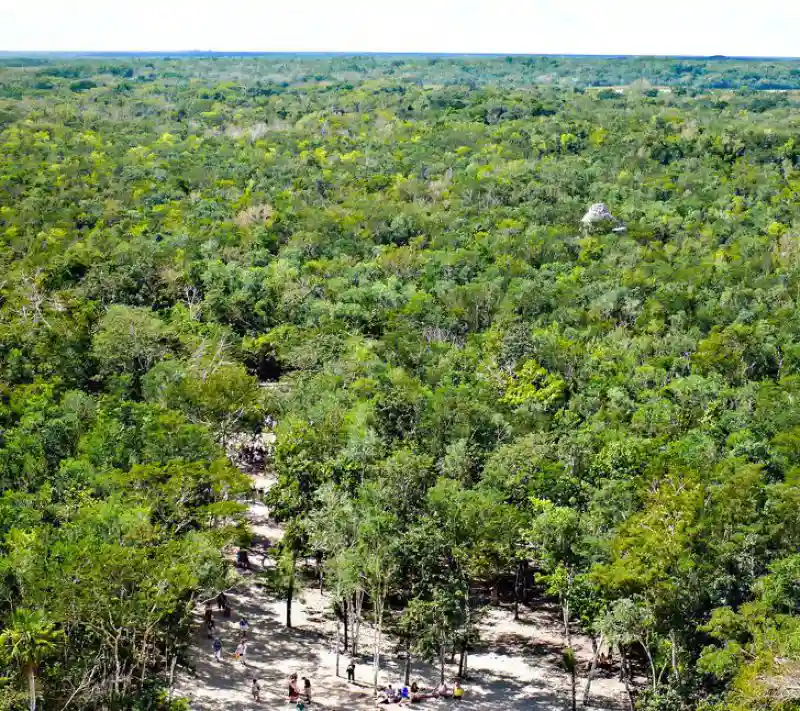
pixel 307 688
pixel 244 625
pixel 294 692
pixel 241 651
pixel 256 690
pixel 208 617
pixel 351 671
pixel 217 649
pixel 222 601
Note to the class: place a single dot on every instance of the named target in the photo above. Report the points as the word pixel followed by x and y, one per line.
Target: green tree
pixel 29 640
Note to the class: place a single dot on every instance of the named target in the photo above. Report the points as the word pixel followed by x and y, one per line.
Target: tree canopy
pixel 385 256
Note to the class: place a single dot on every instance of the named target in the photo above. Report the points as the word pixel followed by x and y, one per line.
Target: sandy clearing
pixel 516 666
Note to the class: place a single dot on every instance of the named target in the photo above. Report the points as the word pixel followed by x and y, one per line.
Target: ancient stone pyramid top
pixel 599 218
pixel 598 212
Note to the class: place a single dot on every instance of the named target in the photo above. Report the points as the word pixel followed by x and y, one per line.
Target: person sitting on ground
pixel 307 688
pixel 294 692
pixel 442 692
pixel 420 694
pixel 388 695
pixel 256 690
pixel 458 691
pixel 405 694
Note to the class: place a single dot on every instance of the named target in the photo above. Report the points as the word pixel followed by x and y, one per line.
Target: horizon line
pixel 355 53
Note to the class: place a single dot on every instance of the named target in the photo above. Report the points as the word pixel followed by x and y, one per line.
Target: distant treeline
pixel 700 74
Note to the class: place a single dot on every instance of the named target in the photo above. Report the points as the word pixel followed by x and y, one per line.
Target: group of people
pixel 242 559
pixel 302 696
pixel 414 693
pixel 241 648
pixel 208 617
pixel 605 661
pixel 298 697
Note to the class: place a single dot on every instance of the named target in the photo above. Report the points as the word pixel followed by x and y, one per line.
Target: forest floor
pixel 516 666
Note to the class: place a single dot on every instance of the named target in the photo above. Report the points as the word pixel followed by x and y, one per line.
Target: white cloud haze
pixel 704 27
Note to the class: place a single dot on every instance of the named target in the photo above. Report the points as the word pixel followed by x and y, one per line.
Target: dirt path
pixel 516 667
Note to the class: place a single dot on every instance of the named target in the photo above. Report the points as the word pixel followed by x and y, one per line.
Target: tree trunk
pixel 407 675
pixel 462 664
pixel 441 664
pixel 345 609
pixel 356 625
pixel 338 635
pixel 290 594
pixel 358 601
pixel 597 647
pixel 376 664
pixel 652 664
pixel 525 581
pixel 319 572
pixel 516 593
pixel 574 685
pixel 32 687
pixel 172 666
pixel 624 674
pixel 674 653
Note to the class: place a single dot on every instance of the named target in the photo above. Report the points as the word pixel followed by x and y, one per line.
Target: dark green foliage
pixel 393 247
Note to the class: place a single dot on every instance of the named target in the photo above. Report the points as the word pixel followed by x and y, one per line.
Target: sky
pixel 685 27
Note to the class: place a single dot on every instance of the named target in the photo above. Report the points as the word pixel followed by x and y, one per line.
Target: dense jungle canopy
pixel 385 256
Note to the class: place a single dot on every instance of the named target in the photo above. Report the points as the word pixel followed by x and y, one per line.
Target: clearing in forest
pixel 517 664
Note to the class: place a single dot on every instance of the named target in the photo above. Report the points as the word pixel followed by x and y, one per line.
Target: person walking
pixel 351 671
pixel 256 690
pixel 217 644
pixel 307 689
pixel 208 618
pixel 222 601
pixel 241 651
pixel 242 559
pixel 244 625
